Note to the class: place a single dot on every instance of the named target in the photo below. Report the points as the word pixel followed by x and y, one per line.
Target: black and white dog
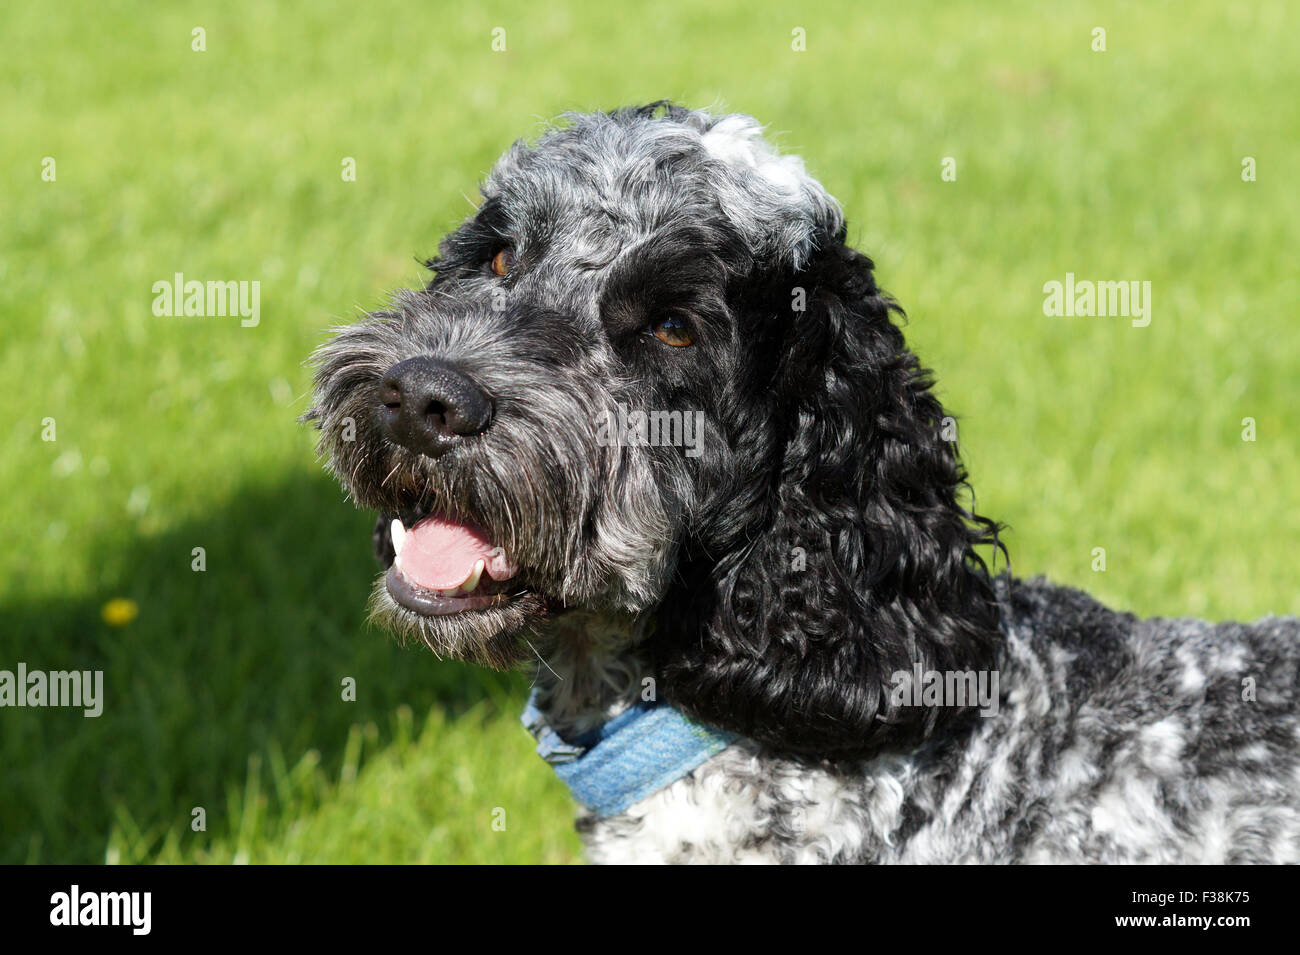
pixel 652 426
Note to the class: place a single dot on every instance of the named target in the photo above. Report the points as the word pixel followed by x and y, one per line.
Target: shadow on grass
pixel 221 667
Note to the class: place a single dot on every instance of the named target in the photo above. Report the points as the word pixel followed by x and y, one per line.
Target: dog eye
pixel 673 331
pixel 503 262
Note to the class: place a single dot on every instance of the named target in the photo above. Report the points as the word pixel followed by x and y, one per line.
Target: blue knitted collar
pixel 640 751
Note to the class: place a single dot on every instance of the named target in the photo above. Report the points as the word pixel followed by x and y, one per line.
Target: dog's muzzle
pixel 439 565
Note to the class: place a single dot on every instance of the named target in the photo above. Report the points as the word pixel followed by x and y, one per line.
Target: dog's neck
pixel 591 668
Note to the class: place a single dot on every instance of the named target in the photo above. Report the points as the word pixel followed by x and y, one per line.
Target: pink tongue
pixel 439 555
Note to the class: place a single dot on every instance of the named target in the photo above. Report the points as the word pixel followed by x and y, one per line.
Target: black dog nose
pixel 426 405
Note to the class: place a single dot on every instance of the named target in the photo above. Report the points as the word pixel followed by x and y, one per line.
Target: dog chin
pixel 493 632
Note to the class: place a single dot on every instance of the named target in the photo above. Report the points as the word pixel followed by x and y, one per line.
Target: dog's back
pixel 1163 740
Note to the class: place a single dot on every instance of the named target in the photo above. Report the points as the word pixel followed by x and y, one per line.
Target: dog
pixel 653 427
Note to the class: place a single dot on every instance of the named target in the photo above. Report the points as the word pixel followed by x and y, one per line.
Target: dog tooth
pixel 471 582
pixel 398 533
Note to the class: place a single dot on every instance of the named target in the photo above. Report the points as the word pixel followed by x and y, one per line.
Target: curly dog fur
pixel 817 543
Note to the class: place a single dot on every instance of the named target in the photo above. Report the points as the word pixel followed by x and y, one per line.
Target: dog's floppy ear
pixel 857 560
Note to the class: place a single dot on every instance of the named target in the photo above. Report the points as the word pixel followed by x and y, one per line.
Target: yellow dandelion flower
pixel 119 611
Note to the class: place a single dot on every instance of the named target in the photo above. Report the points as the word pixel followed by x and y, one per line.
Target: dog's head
pixel 650 378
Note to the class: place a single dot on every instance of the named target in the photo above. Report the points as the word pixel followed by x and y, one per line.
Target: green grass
pixel 177 433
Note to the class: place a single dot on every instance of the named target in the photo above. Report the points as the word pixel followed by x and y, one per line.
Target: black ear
pixel 855 560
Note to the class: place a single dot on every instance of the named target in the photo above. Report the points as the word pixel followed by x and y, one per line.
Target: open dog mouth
pixel 442 567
